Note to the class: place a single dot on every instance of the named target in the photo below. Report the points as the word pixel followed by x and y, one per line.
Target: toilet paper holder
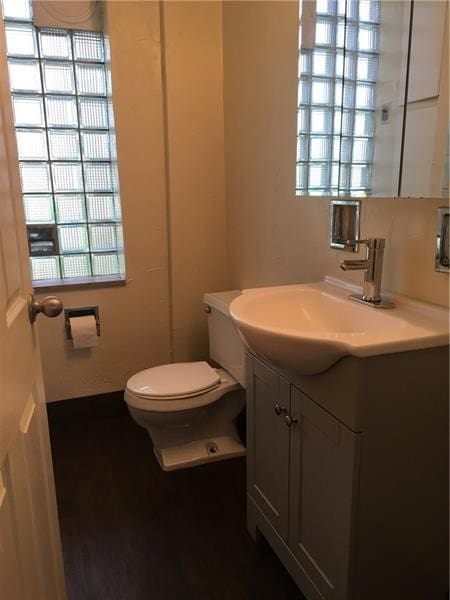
pixel 85 311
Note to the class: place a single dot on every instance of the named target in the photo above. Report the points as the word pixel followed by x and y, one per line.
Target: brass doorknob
pixel 51 306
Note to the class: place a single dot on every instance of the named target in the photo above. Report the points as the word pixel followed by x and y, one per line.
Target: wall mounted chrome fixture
pixel 344 228
pixel 442 259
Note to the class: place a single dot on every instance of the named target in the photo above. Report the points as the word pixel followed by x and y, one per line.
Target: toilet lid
pixel 176 380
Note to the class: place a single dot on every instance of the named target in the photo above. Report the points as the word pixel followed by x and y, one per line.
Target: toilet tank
pixel 225 346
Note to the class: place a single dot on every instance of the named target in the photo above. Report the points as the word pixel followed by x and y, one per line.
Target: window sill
pixel 79 283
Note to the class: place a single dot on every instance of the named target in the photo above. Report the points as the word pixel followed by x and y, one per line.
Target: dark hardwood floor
pixel 132 532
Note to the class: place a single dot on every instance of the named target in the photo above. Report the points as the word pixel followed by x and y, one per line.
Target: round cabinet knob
pixel 51 306
pixel 290 420
pixel 279 409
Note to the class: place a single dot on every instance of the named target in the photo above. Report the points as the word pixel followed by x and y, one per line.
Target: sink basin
pixel 307 328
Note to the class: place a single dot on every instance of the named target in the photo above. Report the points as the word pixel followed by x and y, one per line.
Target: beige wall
pixel 273 236
pixel 181 81
pixel 196 167
pixel 130 340
pixel 169 119
pixel 260 98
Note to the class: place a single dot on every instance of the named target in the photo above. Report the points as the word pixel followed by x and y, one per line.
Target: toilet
pixel 189 409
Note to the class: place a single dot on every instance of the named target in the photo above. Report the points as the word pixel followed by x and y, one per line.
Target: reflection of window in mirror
pixel 336 114
pixel 353 59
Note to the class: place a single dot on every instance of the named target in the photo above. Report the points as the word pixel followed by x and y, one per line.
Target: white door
pixel 31 565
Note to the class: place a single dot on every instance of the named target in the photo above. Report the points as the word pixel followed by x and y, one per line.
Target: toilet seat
pixel 221 384
pixel 174 381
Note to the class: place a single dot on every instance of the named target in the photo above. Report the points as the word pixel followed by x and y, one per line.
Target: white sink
pixel 307 328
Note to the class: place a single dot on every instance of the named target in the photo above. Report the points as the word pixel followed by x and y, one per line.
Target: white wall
pixel 273 236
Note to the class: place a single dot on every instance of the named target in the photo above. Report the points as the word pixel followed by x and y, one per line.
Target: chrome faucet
pixel 372 266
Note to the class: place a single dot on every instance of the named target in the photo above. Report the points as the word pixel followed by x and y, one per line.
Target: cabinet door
pixel 324 467
pixel 268 443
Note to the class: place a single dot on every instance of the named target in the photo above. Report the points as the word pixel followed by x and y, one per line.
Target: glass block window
pixel 336 100
pixel 62 111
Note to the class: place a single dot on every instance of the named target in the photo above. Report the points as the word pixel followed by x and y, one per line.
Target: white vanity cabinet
pixel 302 476
pixel 335 494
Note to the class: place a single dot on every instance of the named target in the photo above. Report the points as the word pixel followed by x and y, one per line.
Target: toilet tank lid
pixel 221 300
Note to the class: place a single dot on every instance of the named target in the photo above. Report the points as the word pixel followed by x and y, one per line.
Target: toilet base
pixel 198 452
pixel 187 438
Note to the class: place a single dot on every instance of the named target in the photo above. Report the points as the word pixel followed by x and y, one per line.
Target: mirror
pixel 426 135
pixel 361 63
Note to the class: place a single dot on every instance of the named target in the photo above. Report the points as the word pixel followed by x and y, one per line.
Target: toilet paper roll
pixel 84 331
